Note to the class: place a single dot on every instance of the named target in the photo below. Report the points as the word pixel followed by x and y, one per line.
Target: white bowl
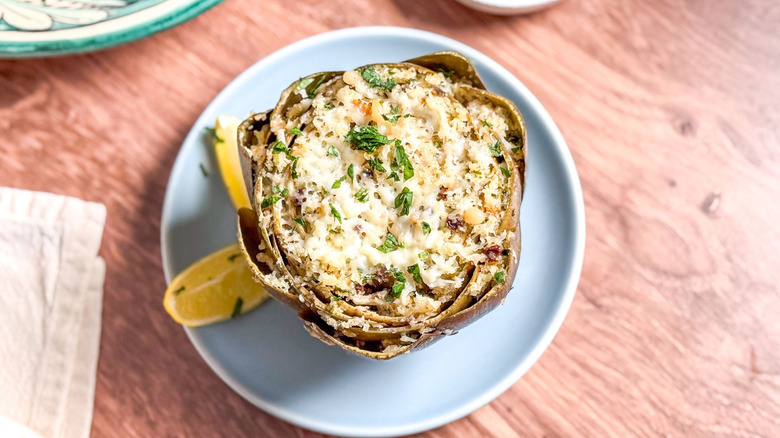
pixel 508 7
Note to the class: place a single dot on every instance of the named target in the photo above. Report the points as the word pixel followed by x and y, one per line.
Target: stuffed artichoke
pixel 386 201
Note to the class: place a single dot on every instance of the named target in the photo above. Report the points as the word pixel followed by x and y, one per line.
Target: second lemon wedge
pixel 215 288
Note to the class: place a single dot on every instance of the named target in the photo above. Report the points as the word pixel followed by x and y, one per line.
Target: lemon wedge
pixel 226 150
pixel 215 288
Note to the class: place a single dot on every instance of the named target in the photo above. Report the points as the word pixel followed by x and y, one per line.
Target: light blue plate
pixel 267 356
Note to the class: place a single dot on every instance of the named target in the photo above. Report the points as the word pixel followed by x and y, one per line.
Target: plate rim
pixel 549 332
pixel 104 40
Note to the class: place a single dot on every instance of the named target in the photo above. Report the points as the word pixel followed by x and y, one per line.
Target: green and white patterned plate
pixel 35 28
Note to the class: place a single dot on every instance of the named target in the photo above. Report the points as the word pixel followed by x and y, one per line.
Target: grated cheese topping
pixel 398 188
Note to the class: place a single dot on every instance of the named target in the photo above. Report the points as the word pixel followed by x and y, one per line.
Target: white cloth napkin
pixel 51 292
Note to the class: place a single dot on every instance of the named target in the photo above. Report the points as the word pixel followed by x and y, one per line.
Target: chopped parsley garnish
pixel 397 289
pixel 267 202
pixel 328 106
pixel 213 133
pixel 366 276
pixel 373 79
pixel 278 191
pixel 393 117
pixel 301 221
pixel 362 195
pixel 506 172
pixel 446 73
pixel 179 290
pixel 319 82
pixel 500 277
pixel 423 255
pixel 485 123
pixel 294 167
pixel 415 271
pixel 237 308
pixel 437 144
pixel 399 276
pixel 337 183
pixel 296 131
pixel 233 257
pixel 335 212
pixel 404 201
pixel 394 176
pixel 332 151
pixel 402 161
pixel 366 138
pixel 391 244
pixel 203 170
pixel 351 171
pixel 495 148
pixel 334 298
pixel 400 283
pixel 426 228
pixel 376 163
pixel 278 147
pixel 304 83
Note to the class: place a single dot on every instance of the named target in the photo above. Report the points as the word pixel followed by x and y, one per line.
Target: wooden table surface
pixel 671 109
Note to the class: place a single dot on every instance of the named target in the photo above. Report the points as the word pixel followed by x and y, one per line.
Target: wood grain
pixel 670 108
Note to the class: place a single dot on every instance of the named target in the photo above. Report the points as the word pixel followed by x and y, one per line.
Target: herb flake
pixel 294 167
pixel 426 228
pixel 237 308
pixel 317 84
pixel 495 148
pixel 376 163
pixel 335 212
pixel 366 138
pixel 370 75
pixel 506 172
pixel 332 151
pixel 204 171
pixel 397 289
pixel 301 221
pixel 391 244
pixel 404 201
pixel 362 195
pixel 267 202
pixel 278 147
pixel 392 117
pixel 500 277
pixel 415 271
pixel 304 83
pixel 402 160
pixel 213 133
pixel 337 183
pixel 351 171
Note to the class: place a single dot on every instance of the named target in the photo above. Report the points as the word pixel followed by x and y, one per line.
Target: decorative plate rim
pixel 557 317
pixel 103 40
